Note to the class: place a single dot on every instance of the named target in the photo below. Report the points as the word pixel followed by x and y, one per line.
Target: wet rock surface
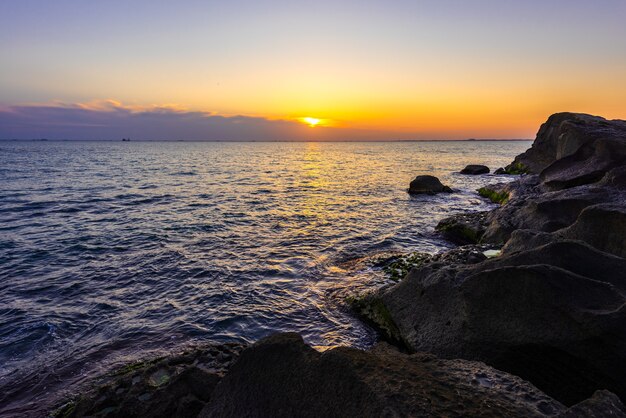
pixel 427 185
pixel 475 169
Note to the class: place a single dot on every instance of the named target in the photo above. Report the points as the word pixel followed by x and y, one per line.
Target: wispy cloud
pixel 113 120
pixel 114 105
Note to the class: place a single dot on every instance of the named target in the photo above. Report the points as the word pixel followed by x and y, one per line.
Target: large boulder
pixel 581 194
pixel 554 315
pixel 281 376
pixel 545 212
pixel 594 214
pixel 561 136
pixel 427 185
pixel 588 164
pixel 475 169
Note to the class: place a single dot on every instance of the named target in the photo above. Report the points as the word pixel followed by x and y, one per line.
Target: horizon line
pixel 266 140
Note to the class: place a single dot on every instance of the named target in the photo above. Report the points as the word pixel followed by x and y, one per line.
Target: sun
pixel 312 122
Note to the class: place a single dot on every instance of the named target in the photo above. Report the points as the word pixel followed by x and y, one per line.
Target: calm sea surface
pixel 112 250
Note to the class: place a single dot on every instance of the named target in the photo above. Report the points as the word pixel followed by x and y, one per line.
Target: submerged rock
pixel 427 185
pixel 475 169
pixel 499 197
pixel 374 312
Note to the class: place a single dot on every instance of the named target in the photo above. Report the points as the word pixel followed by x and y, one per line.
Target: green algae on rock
pixel 464 228
pixel 399 266
pixel 516 168
pixel 372 310
pixel 496 197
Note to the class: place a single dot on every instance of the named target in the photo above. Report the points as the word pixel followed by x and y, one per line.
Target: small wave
pixel 70 209
pixel 127 196
pixel 231 247
pixel 184 173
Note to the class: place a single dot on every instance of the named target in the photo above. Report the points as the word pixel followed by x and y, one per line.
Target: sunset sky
pixel 253 70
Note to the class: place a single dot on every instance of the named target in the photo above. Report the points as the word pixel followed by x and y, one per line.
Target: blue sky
pixel 446 69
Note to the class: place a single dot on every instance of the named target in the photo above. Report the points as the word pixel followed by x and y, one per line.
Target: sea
pixel 114 251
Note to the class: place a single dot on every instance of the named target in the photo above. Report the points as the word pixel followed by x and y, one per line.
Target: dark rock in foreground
pixel 174 386
pixel 537 314
pixel 427 185
pixel 475 169
pixel 282 377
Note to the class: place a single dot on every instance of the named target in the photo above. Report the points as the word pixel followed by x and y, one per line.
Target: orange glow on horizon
pixel 423 70
pixel 312 122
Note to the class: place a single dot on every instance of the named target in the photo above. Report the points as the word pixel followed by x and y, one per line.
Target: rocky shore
pixel 526 319
pixel 550 308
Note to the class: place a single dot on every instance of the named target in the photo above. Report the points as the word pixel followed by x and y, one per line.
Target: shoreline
pixel 325 283
pixel 496 316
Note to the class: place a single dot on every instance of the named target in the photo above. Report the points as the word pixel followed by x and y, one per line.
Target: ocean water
pixel 110 251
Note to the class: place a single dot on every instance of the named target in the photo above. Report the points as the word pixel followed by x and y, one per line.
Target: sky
pixel 254 70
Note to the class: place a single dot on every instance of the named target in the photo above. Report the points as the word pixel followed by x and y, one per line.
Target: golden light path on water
pixel 116 250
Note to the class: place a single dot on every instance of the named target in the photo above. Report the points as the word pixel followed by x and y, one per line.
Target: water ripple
pixel 110 250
